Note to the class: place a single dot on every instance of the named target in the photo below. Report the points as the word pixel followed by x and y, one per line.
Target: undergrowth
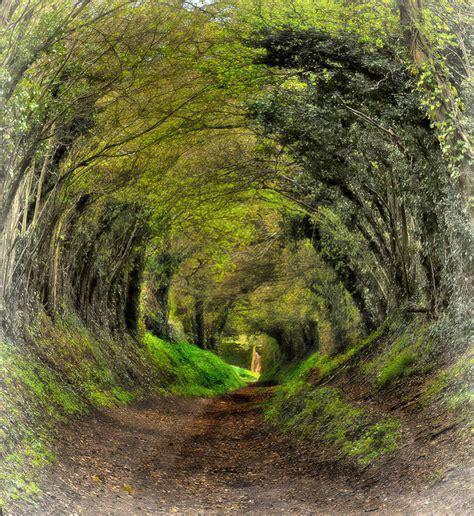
pixel 300 405
pixel 404 353
pixel 453 386
pixel 65 371
pixel 320 366
pixel 323 413
pixel 34 401
pixel 246 375
pixel 309 403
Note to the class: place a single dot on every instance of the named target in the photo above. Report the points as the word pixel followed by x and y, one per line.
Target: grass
pixel 328 364
pixel 453 386
pixel 398 366
pixel 189 370
pixel 323 413
pixel 71 371
pixel 301 406
pixel 320 366
pixel 246 375
pixel 35 399
pixel 401 356
pixel 306 405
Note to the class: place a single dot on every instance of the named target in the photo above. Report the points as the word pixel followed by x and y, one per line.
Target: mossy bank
pixel 64 371
pixel 347 400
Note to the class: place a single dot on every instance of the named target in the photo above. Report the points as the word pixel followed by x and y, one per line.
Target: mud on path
pixel 216 456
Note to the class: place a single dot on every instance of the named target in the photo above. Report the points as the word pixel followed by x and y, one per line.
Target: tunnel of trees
pixel 243 174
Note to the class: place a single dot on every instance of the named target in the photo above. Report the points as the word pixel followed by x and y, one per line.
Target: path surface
pixel 214 455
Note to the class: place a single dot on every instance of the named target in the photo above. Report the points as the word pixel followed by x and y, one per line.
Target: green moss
pixel 16 468
pixel 100 396
pixel 378 439
pixel 453 385
pixel 461 399
pixel 70 371
pixel 435 386
pixel 122 396
pixel 271 373
pixel 34 400
pixel 323 413
pixel 401 356
pixel 246 375
pixel 319 366
pixel 40 385
pixel 396 367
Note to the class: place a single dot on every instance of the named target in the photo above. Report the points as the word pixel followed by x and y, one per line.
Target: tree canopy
pixel 304 163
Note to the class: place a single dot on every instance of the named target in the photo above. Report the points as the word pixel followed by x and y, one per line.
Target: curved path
pixel 213 455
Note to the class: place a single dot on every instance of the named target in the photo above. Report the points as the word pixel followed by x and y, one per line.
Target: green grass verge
pixel 246 375
pixel 320 366
pixel 401 355
pixel 189 370
pixel 453 386
pixel 28 389
pixel 321 412
pixel 71 371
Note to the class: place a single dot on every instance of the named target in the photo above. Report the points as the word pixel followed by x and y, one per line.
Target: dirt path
pixel 216 455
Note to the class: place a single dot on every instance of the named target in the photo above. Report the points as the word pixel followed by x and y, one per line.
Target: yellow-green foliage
pixel 189 370
pixel 236 350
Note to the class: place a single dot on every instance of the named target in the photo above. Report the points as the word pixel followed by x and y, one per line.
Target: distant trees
pixel 271 283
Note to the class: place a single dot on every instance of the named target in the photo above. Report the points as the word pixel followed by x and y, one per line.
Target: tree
pixel 363 146
pixel 89 96
pixel 436 36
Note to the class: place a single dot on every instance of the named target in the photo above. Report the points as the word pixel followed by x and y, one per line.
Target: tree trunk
pixel 199 329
